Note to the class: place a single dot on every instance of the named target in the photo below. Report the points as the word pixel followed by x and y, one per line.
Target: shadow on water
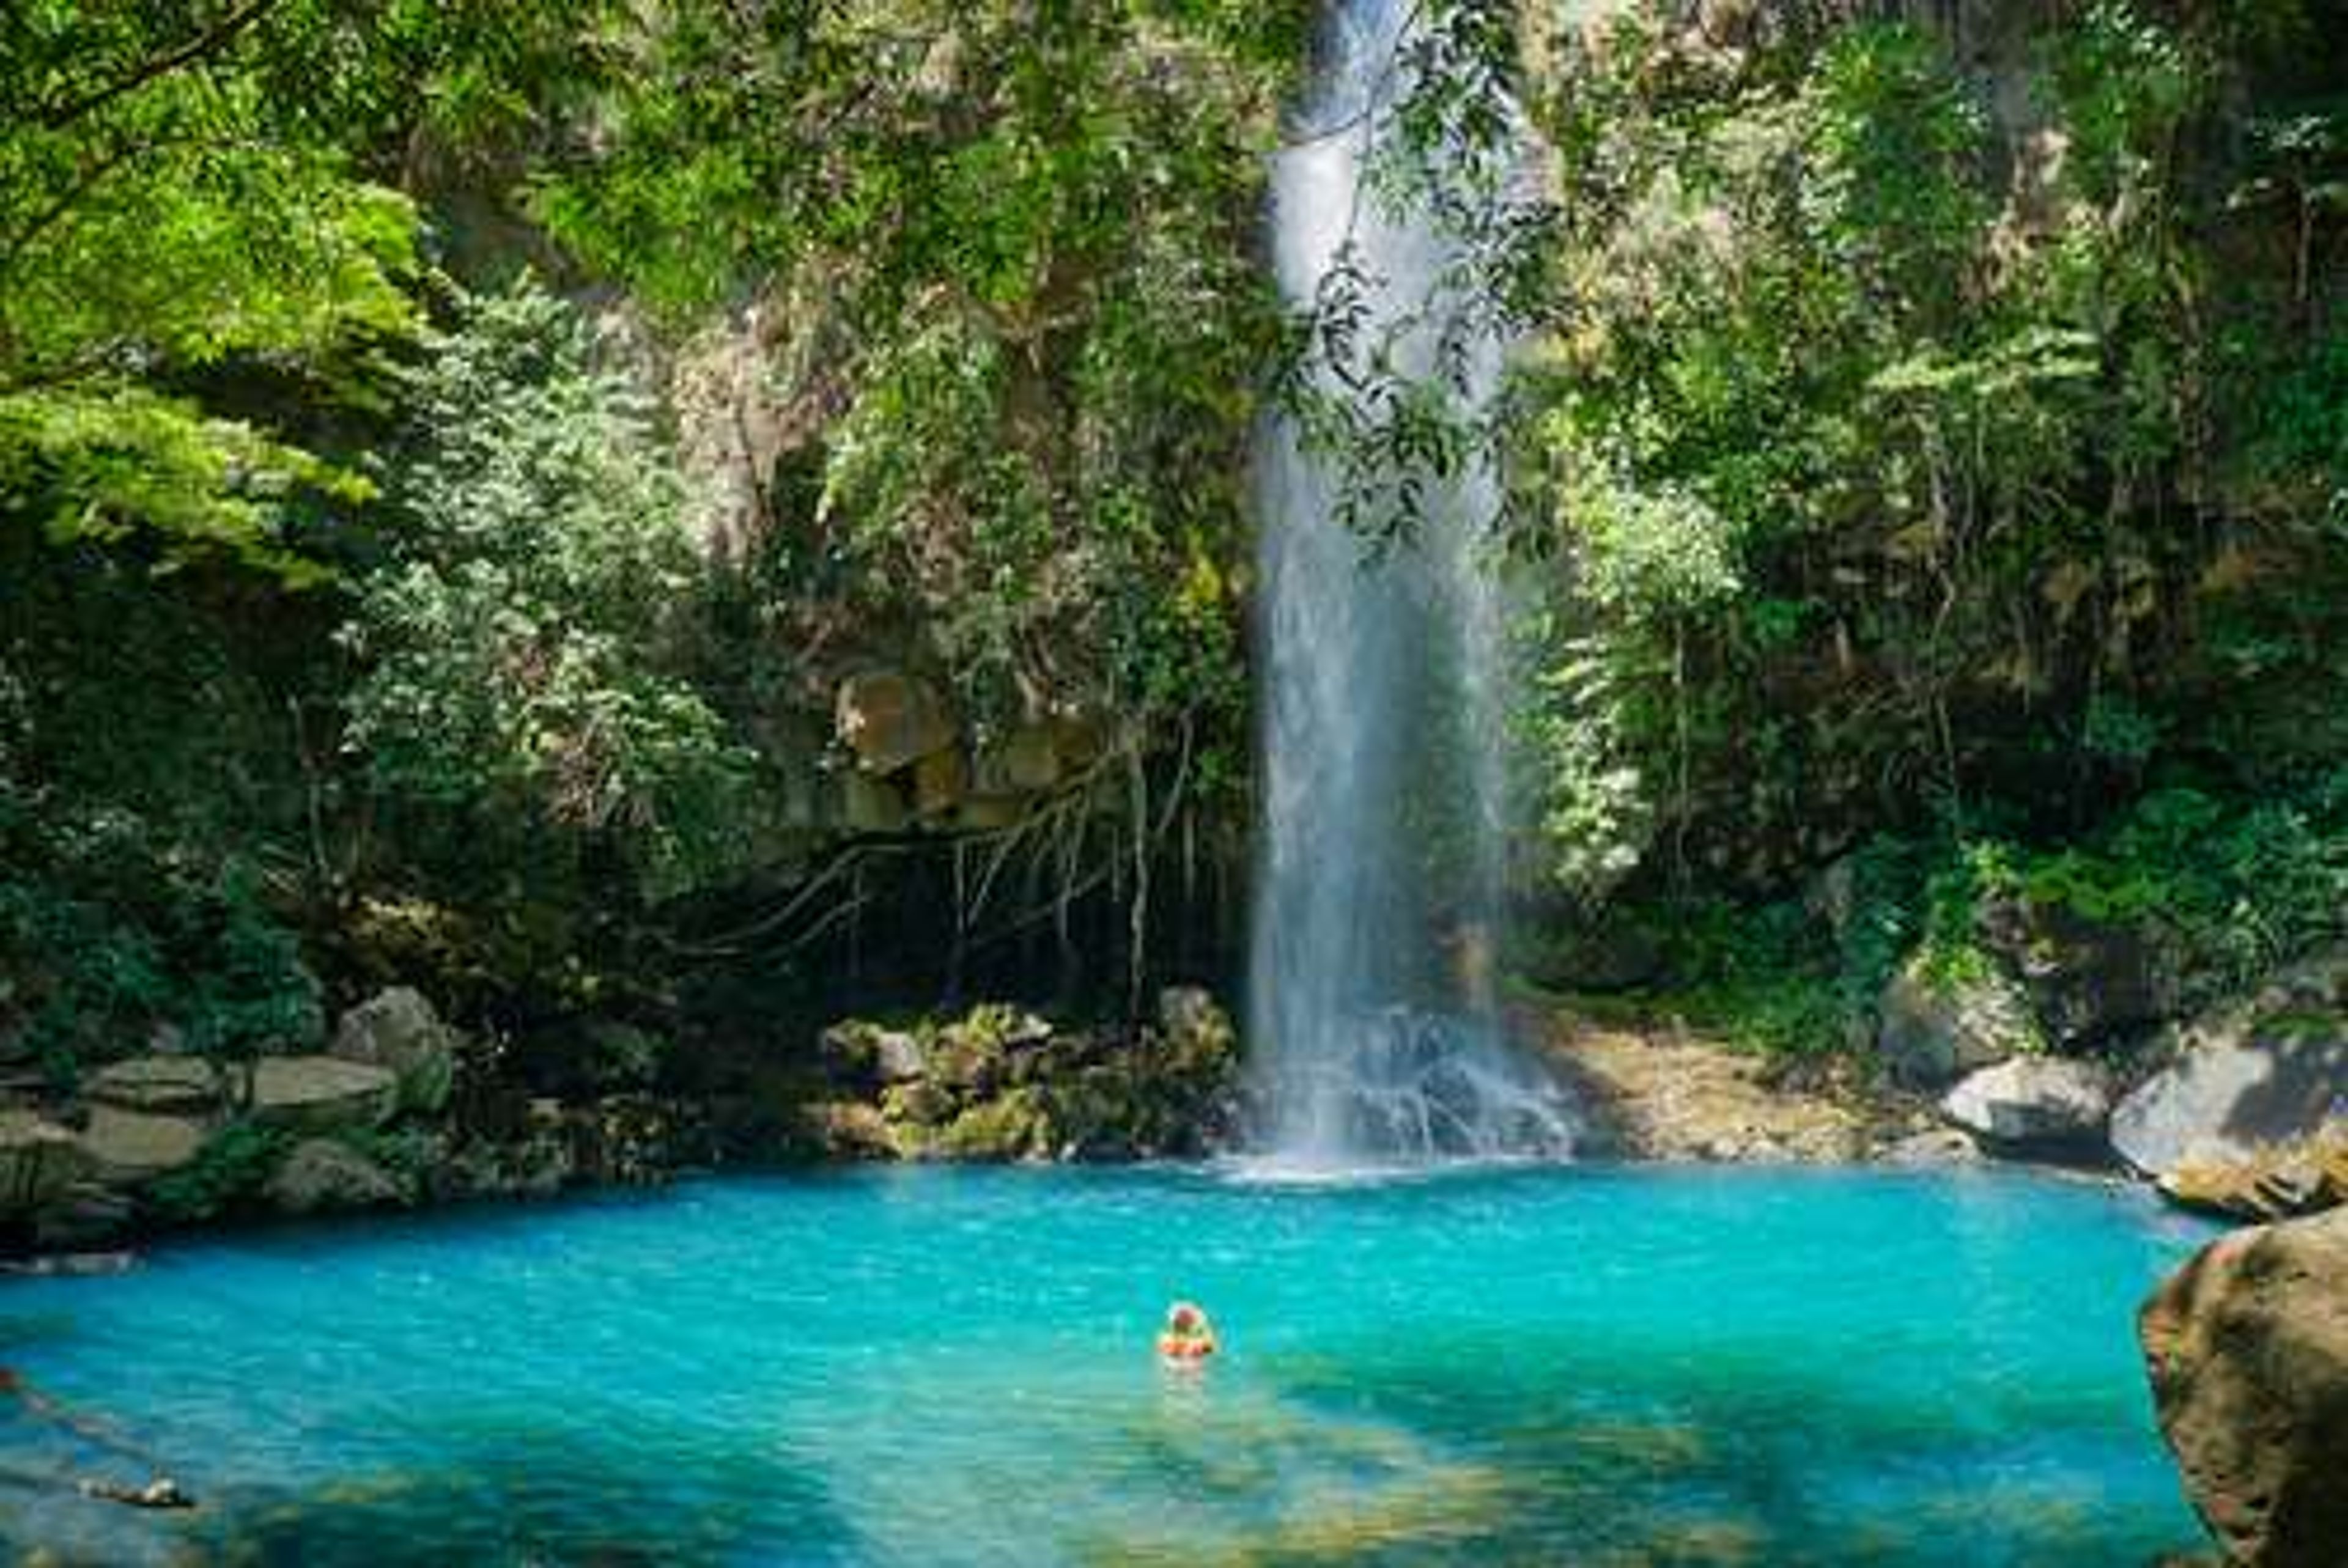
pixel 511 1493
pixel 1545 1448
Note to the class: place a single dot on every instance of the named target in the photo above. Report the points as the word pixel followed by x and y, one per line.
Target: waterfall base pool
pixel 1601 1365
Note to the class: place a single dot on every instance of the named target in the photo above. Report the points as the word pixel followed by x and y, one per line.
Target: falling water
pixel 1379 885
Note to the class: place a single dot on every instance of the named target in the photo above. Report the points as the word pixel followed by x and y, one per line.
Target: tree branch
pixel 221 34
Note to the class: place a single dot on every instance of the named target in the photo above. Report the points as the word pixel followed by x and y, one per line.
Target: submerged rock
pixel 2034 1102
pixel 1937 1028
pixel 2247 1347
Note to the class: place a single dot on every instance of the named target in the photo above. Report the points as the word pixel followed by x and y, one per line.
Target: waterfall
pixel 1378 883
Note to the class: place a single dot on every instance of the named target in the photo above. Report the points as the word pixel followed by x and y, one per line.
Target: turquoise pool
pixel 1590 1365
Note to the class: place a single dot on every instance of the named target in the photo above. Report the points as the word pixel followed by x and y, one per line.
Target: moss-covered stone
pixel 1013 1125
pixel 1001 1083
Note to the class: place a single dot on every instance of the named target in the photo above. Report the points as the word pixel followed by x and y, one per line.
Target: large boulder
pixel 2247 1347
pixel 321 1093
pixel 398 1029
pixel 2087 979
pixel 2034 1102
pixel 890 719
pixel 181 1085
pixel 2228 1094
pixel 321 1175
pixel 38 1160
pixel 860 1050
pixel 1938 1027
pixel 131 1146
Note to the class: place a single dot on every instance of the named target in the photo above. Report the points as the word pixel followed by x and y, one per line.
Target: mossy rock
pixel 976 1051
pixel 132 1146
pixel 1015 1125
pixel 920 1103
pixel 325 1175
pixel 165 1085
pixel 321 1093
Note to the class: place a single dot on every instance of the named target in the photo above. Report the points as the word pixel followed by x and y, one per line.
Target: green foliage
pixel 2237 887
pixel 1597 811
pixel 226 1176
pixel 1647 555
pixel 623 1057
pixel 1894 469
pixel 414 1157
pixel 2226 891
pixel 107 465
pixel 106 937
pixel 1756 978
pixel 162 213
pixel 520 643
pixel 196 192
pixel 1015 252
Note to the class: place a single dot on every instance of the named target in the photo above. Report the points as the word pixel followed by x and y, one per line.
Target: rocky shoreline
pixel 402 1111
pixel 2237 1112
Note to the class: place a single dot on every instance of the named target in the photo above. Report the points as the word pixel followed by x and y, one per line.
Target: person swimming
pixel 1187 1335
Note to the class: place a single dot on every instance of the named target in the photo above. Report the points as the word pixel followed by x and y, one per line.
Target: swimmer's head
pixel 1185 1317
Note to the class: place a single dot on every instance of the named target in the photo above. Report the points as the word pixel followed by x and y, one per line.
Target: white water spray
pixel 1379 880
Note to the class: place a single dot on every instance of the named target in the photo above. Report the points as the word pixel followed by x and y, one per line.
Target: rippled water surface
pixel 942 1367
